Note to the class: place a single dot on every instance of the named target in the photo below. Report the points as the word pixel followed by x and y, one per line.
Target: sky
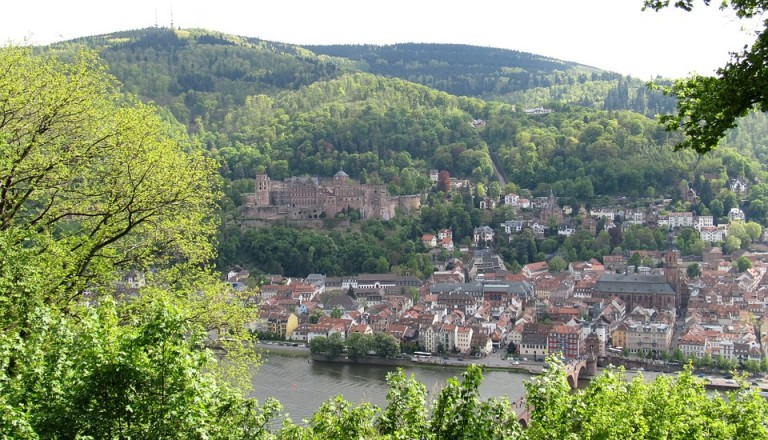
pixel 614 35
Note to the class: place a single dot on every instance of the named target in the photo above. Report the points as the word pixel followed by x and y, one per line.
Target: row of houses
pixel 477 305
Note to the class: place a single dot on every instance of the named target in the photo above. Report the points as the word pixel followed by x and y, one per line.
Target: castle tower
pixel 263 187
pixel 341 177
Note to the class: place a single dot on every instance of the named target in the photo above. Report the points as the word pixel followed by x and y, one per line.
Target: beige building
pixel 464 339
pixel 279 323
pixel 648 337
pixel 693 345
pixel 619 336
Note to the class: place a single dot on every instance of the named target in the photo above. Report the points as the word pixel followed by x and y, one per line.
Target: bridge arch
pixel 520 406
pixel 575 369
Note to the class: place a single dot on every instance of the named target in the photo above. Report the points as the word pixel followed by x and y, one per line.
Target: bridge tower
pixel 591 369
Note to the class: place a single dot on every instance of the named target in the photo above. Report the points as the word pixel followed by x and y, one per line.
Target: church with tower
pixel 550 210
pixel 660 292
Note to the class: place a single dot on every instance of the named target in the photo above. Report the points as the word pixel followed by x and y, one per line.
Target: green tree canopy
pixel 613 406
pixel 330 346
pixel 743 263
pixel 386 345
pixel 753 230
pixel 709 106
pixel 557 264
pixel 358 345
pixel 94 184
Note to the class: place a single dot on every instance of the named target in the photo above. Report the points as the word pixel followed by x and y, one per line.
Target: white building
pixel 735 214
pixel 693 345
pixel 483 234
pixel 566 229
pixel 713 234
pixel 703 221
pixel 680 219
pixel 513 226
pixel 603 213
pixel 634 216
pixel 738 186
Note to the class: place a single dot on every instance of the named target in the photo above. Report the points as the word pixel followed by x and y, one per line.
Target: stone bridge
pixel 580 368
pixel 585 367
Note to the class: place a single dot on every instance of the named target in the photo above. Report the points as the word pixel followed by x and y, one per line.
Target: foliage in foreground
pixel 611 407
pixel 92 185
pixel 709 106
pixel 457 413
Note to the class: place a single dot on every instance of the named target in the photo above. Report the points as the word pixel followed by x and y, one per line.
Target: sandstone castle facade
pixel 300 198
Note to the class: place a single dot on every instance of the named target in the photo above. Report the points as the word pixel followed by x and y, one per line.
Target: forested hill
pixel 502 74
pixel 162 64
pixel 269 107
pixel 443 61
pixel 198 72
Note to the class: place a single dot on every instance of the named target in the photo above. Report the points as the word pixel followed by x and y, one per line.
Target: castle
pixel 299 198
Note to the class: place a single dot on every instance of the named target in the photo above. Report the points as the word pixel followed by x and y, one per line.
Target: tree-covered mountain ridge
pixel 489 73
pixel 503 74
pixel 270 107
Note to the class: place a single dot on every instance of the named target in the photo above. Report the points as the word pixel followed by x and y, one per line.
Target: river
pixel 302 386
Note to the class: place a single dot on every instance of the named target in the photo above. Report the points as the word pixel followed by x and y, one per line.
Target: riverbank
pixel 490 363
pixel 372 360
pixel 286 349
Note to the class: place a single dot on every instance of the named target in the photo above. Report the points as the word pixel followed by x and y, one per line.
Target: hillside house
pixel 738 186
pixel 735 214
pixel 512 199
pixel 429 241
pixel 483 234
pixel 488 203
pixel 513 226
